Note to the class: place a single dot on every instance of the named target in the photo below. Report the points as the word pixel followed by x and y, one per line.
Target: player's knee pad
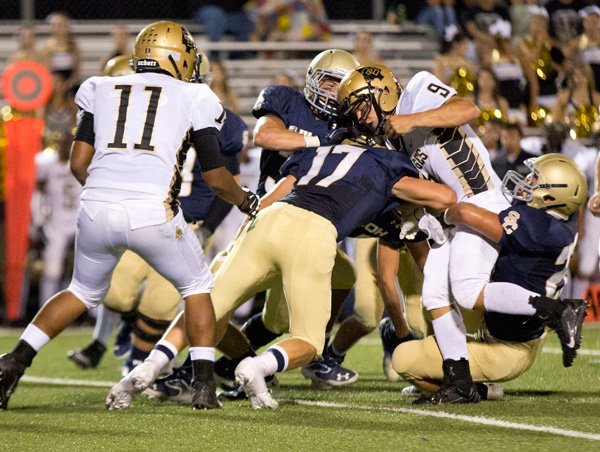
pixel 90 298
pixel 466 292
pixel 257 333
pixel 433 297
pixel 148 329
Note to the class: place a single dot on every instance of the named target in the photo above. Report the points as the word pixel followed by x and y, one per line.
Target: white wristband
pixel 311 141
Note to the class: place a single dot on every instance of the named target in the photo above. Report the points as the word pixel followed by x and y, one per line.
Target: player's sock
pixel 450 334
pixel 335 354
pixel 105 323
pixel 161 354
pixel 35 337
pixel 275 359
pixel 203 363
pixel 508 298
pixel 138 355
pixel 24 353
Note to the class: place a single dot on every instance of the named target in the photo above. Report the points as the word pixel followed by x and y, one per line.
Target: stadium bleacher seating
pixel 406 50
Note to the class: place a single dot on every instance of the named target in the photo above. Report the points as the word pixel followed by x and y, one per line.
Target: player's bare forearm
pixel 424 193
pixel 282 188
pixel 455 112
pixel 482 221
pixel 81 157
pixel 387 281
pixel 224 185
pixel 270 133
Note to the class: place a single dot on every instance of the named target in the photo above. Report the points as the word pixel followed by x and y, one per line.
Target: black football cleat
pixel 205 397
pixel 457 387
pixel 449 394
pixel 568 326
pixel 10 374
pixel 88 357
pixel 176 387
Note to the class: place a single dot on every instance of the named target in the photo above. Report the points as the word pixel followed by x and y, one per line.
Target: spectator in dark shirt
pixel 511 156
pixel 479 18
pixel 223 16
pixel 565 22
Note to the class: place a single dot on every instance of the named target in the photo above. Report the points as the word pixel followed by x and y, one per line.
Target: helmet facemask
pixel 554 185
pixel 333 65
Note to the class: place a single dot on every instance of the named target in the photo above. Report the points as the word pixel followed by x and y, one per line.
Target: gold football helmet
pixel 166 47
pixel 555 184
pixel 119 65
pixel 330 64
pixel 368 87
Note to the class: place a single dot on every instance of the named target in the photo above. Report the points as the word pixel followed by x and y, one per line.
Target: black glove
pixel 336 136
pixel 251 203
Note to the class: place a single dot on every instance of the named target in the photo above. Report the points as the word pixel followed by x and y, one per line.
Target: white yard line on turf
pixel 68 382
pixel 458 417
pixel 427 413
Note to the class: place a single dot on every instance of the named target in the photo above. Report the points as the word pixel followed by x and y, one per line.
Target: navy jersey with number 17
pixel 348 185
pixel 534 253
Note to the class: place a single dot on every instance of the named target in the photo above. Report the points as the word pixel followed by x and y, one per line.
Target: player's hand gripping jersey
pixel 141 122
pixel 455 156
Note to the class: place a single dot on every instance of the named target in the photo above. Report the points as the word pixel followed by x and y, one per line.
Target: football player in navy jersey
pixel 536 236
pixel 333 191
pixel 151 313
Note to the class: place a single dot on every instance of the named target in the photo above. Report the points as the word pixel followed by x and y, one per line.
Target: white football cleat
pixel 122 394
pixel 143 376
pixel 250 377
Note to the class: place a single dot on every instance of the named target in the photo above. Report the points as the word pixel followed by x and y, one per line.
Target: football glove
pixel 251 203
pixel 410 223
pixel 433 228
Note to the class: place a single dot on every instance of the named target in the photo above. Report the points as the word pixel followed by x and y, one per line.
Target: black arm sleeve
pixel 85 129
pixel 207 148
pixel 216 214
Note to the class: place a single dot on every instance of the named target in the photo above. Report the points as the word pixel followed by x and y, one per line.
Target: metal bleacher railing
pixel 406 49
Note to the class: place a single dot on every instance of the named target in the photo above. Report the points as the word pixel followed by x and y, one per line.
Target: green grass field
pixel 549 408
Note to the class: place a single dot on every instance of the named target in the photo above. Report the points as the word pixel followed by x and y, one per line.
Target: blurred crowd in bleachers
pixel 532 67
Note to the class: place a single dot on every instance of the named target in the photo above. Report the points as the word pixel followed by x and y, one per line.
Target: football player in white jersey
pixel 61 192
pixel 426 124
pixel 127 155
